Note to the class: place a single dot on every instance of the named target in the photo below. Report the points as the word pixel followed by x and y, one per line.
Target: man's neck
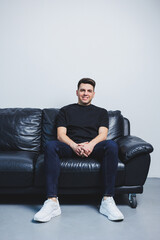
pixel 85 105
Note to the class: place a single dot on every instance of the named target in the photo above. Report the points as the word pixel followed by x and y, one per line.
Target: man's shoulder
pixel 69 106
pixel 99 108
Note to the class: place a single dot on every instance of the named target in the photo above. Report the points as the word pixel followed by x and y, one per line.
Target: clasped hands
pixel 84 149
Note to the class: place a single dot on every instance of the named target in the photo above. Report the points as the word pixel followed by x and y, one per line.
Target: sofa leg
pixel 132 200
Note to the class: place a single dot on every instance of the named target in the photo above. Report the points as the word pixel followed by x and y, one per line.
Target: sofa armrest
pixel 131 146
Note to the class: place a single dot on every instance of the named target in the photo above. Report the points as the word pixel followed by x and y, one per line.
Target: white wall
pixel 46 46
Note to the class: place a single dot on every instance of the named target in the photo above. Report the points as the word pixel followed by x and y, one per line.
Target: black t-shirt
pixel 82 122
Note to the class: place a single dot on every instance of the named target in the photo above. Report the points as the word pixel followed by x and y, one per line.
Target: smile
pixel 85 98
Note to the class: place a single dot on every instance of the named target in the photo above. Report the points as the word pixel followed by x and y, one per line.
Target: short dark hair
pixel 87 80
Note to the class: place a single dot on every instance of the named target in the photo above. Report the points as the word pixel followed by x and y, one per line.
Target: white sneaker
pixel 50 209
pixel 109 209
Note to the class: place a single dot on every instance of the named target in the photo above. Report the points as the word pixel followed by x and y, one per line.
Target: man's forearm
pixel 102 136
pixel 64 138
pixel 99 138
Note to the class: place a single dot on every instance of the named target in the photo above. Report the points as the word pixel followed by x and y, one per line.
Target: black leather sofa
pixel 23 135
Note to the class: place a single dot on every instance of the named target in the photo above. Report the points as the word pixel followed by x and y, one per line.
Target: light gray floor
pixel 80 218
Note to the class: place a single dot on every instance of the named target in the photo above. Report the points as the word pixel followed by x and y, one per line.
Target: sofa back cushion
pixel 20 129
pixel 116 125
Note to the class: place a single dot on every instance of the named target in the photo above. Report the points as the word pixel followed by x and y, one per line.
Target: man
pixel 82 130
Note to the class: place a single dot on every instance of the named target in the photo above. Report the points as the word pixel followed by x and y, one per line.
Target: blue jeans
pixel 106 152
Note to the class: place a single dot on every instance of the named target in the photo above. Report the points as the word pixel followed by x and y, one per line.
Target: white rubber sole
pixel 55 213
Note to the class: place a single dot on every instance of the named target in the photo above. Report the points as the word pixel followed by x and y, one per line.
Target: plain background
pixel 46 46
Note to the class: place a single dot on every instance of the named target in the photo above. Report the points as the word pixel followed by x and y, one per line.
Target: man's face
pixel 85 94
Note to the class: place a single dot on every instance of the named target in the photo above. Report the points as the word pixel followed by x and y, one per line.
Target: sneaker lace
pixel 111 203
pixel 48 205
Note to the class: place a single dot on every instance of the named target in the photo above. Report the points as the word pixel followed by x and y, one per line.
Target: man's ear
pixel 77 92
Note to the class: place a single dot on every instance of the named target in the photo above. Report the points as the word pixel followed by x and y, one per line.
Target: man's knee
pixel 51 146
pixel 111 145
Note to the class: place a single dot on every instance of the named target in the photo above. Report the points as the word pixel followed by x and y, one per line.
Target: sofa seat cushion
pixel 78 172
pixel 16 168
